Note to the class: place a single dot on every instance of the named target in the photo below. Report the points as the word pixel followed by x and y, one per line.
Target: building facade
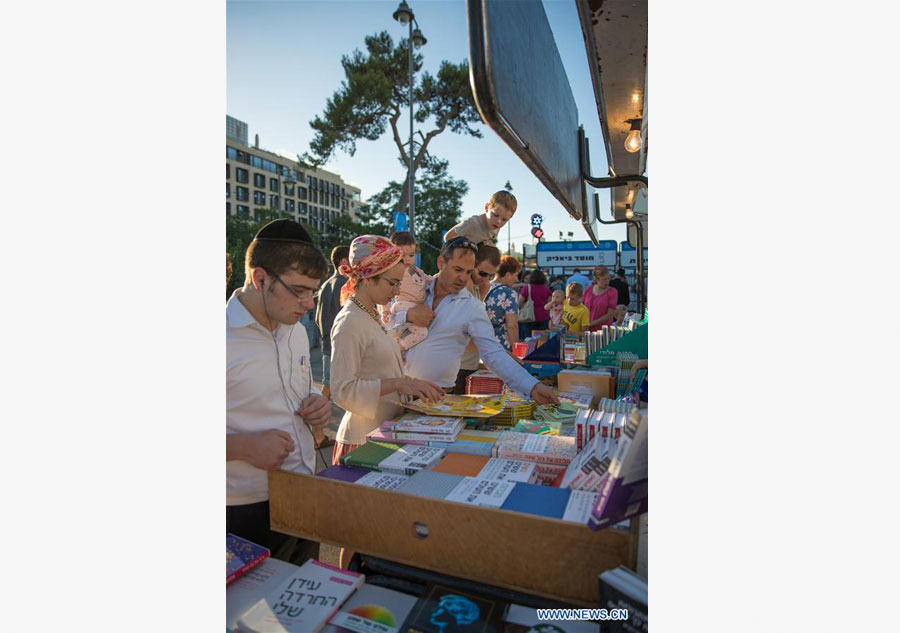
pixel 256 179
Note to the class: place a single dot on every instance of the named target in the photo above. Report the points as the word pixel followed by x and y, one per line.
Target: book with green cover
pixel 393 458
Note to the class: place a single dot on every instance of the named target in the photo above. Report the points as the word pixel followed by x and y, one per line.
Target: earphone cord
pixel 287 399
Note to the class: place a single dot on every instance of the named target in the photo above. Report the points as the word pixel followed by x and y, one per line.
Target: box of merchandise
pixel 600 383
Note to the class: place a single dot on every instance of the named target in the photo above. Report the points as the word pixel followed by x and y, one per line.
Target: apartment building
pixel 257 179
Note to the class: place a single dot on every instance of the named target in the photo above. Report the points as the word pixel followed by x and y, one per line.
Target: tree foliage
pixel 375 92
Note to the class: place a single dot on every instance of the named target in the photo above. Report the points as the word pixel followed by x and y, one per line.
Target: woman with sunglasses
pixel 367 378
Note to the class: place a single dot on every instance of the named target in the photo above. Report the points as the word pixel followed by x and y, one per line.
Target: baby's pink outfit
pixel 412 293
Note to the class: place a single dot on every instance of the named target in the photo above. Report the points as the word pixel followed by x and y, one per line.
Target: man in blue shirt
pixel 578 278
pixel 459 318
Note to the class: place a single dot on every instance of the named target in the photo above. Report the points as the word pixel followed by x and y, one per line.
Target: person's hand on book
pixel 267 450
pixel 542 394
pixel 420 315
pixel 422 389
pixel 316 410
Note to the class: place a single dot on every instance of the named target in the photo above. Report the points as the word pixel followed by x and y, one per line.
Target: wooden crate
pixel 532 554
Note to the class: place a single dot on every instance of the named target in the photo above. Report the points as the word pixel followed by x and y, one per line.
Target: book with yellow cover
pixel 461 464
pixel 461 406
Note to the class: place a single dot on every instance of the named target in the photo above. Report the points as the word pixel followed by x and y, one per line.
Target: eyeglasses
pixel 459 242
pixel 306 296
pixel 393 282
pixel 484 274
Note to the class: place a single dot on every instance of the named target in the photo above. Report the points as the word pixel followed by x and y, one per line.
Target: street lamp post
pixel 404 15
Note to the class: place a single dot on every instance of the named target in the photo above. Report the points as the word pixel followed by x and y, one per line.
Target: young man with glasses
pixel 461 318
pixel 272 408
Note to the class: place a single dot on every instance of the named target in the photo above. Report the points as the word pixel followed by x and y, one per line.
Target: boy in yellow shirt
pixel 575 315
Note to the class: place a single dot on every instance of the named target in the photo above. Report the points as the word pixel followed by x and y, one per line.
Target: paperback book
pixel 444 609
pixel 303 603
pixel 393 458
pixel 241 556
pixel 372 609
pixel 481 492
pixel 545 449
pixel 621 588
pixel 521 619
pixel 623 488
pixel 538 427
pixel 461 406
pixel 253 586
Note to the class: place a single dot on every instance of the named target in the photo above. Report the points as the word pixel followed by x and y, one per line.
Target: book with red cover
pixel 241 556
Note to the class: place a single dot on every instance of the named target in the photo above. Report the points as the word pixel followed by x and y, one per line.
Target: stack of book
pixel 599 339
pixel 491 468
pixel 589 421
pixel 288 600
pixel 624 362
pixel 484 382
pixel 372 608
pixel 539 427
pixel 393 458
pixel 579 399
pixel 574 350
pixel 517 408
pixel 416 427
pixel 623 487
pixel 461 406
pixel 552 454
pixel 564 413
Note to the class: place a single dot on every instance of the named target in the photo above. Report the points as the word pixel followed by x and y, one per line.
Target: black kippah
pixel 284 231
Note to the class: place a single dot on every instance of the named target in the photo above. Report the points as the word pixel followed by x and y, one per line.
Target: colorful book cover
pixel 343 473
pixel 461 464
pixel 539 427
pixel 464 446
pixel 447 610
pixel 545 449
pixel 461 406
pixel 304 603
pixel 514 470
pixel 539 500
pixel 241 556
pixel 372 609
pixel 411 423
pixel 392 458
pixel 623 488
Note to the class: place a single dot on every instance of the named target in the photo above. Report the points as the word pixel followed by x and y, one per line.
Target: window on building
pixel 227 190
pixel 273 184
pixel 303 208
pixel 289 204
pixel 315 183
pixel 242 193
pixel 259 181
pixel 243 211
pixel 227 170
pixel 301 193
pixel 259 198
pixel 231 153
pixel 227 208
pixel 273 202
pixel 256 161
pixel 288 189
pixel 242 174
pixel 315 213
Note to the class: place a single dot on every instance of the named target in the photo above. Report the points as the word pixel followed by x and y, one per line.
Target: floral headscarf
pixel 370 255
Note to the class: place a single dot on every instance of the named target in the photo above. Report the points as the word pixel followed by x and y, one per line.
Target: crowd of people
pixel 390 332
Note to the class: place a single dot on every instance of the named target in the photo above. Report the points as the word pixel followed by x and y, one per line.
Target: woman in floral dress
pixel 502 303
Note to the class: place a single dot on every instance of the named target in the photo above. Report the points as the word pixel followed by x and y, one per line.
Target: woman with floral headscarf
pixel 367 378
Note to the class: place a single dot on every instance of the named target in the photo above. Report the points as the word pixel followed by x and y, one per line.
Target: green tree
pixel 375 93
pixel 439 198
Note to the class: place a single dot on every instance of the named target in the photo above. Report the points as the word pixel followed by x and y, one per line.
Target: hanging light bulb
pixel 628 212
pixel 633 141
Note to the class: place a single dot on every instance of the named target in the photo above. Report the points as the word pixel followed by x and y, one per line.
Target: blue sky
pixel 283 62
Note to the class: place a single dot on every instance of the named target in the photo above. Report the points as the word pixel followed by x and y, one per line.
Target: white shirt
pixel 255 400
pixel 458 319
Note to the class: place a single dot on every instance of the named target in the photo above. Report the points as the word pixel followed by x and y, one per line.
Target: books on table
pixel 487 468
pixel 578 399
pixel 484 382
pixel 521 619
pixel 544 449
pixel 364 477
pixel 418 429
pixel 461 406
pixel 303 603
pixel 392 458
pixel 539 427
pixel 623 488
pixel 538 500
pixel 241 556
pixel 253 586
pixel 372 609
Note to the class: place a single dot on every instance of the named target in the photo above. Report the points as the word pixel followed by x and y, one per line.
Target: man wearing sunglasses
pixel 271 408
pixel 458 319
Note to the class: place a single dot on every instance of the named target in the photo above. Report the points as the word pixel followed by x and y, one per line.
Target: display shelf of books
pixel 529 553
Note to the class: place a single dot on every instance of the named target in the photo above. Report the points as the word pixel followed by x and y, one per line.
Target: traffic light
pixel 537 232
